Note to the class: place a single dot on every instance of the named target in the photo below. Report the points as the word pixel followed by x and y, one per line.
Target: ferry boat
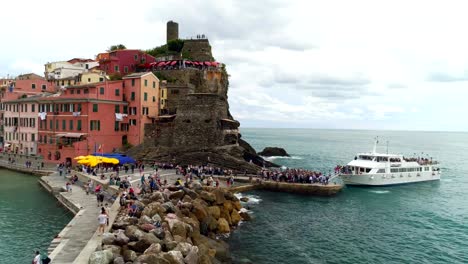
pixel 377 169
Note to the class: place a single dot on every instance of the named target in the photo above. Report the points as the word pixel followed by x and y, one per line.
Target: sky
pixel 398 65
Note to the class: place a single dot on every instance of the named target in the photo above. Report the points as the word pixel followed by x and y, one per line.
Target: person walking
pixel 37 258
pixel 103 219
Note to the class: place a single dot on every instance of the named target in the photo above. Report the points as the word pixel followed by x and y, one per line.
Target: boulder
pixel 219 194
pixel 123 222
pixel 120 238
pixel 169 206
pixel 197 187
pixel 237 205
pixel 199 210
pixel 116 250
pixel 244 199
pixel 227 206
pixel 192 256
pixel 108 238
pixel 101 257
pixel 218 248
pixel 214 211
pixel 174 257
pixel 245 216
pixel 235 217
pixel 178 228
pixel 156 218
pixel 144 219
pixel 156 197
pixel 133 233
pixel 177 195
pixel 169 245
pixel 273 151
pixel 155 248
pixel 210 222
pixel 159 233
pixel 151 259
pixel 226 215
pixel 223 226
pixel 119 260
pixel 147 227
pixel 207 196
pixel 187 199
pixel 192 222
pixel 145 242
pixel 184 248
pixel 129 255
pixel 190 193
pixel 230 196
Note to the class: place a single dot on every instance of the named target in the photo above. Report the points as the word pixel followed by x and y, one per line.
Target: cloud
pixel 447 77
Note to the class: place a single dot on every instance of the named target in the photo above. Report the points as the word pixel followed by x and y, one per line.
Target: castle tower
pixel 172 31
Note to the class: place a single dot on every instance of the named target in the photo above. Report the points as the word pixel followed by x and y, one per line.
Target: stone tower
pixel 172 31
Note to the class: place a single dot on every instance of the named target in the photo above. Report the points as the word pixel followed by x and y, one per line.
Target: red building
pixel 123 61
pixel 99 117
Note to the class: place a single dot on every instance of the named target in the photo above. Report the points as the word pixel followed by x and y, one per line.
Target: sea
pixel 30 217
pixel 414 223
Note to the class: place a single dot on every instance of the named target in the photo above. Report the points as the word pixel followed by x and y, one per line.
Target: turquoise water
pixel 416 223
pixel 29 217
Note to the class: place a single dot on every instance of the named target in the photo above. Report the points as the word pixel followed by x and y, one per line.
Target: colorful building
pixel 142 95
pixel 122 62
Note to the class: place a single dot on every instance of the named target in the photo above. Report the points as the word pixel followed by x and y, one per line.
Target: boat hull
pixel 389 179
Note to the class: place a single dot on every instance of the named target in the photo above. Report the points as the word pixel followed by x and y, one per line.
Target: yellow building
pixel 93 77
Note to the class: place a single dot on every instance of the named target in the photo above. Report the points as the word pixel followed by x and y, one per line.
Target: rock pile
pixel 174 227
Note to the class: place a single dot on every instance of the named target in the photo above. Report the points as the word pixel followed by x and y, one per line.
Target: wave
pixel 447 180
pixel 379 192
pixel 281 157
pixel 253 199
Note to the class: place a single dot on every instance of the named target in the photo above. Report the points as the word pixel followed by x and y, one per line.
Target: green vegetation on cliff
pixel 173 47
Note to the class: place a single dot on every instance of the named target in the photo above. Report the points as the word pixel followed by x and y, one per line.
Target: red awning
pixel 161 63
pixel 207 63
pixel 214 63
pixel 173 63
pixel 188 62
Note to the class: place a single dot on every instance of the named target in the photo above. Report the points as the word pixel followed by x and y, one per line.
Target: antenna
pixel 375 144
pixel 387 146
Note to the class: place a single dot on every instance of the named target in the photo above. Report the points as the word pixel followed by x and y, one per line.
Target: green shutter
pixel 78 125
pixel 146 96
pixel 132 97
pixel 64 124
pixel 71 124
pixel 117 108
pixel 116 126
pixel 91 127
pixel 95 107
pixel 99 125
pixel 101 90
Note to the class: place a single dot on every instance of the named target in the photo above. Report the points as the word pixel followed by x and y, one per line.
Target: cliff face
pixel 202 130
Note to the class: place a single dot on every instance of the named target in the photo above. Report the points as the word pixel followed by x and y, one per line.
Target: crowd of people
pixel 294 176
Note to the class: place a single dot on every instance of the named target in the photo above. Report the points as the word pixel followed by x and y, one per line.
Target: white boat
pixel 377 169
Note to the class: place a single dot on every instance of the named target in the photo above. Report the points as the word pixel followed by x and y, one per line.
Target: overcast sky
pixel 399 65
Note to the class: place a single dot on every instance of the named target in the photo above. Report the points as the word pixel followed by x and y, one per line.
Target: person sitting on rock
pixel 132 209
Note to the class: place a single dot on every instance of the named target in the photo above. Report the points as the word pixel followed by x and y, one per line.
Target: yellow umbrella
pixel 80 157
pixel 83 161
pixel 110 160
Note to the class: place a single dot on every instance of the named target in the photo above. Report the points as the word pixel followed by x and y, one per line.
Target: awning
pixel 70 135
pixel 7 145
pixel 173 63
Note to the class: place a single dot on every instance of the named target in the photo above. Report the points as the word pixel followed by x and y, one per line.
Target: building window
pixel 125 109
pixel 89 80
pixel 154 84
pixel 44 87
pixel 133 82
pixel 101 79
pixel 95 107
pixel 135 57
pixel 132 96
pixel 117 108
pixel 146 83
pixel 117 92
pixel 86 91
pixel 64 125
pixel 145 96
pixel 33 86
pixel 116 68
pixel 125 69
pixel 72 91
pixel 101 90
pixel 56 124
pixel 116 126
pixel 154 98
pixel 78 91
pixel 79 107
pixel 95 125
pixel 78 125
pixel 71 124
pixel 51 125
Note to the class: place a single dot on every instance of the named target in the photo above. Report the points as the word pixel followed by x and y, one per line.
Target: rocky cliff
pixel 202 130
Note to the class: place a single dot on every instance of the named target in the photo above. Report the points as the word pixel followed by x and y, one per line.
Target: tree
pixel 116 47
pixel 175 45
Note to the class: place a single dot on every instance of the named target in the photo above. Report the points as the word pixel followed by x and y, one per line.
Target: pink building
pixel 123 61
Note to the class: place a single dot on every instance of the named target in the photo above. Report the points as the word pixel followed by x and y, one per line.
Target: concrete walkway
pixel 79 231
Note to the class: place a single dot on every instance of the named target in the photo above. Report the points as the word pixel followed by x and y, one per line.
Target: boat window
pixel 393 170
pixel 402 170
pixel 426 168
pixel 363 157
pixel 382 171
pixel 368 170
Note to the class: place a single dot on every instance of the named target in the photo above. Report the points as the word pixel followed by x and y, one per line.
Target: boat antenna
pixel 375 145
pixel 387 146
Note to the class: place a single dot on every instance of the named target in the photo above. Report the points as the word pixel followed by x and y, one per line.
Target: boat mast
pixel 375 145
